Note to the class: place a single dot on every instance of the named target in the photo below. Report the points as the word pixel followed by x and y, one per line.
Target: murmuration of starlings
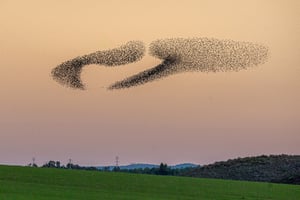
pixel 178 55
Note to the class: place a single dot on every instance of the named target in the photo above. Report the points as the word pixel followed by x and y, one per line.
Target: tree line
pixel 162 169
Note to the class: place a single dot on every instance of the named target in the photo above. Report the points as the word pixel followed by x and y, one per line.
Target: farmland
pixel 52 184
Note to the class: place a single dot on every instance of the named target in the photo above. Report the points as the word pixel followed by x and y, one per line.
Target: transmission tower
pixel 33 161
pixel 70 163
pixel 117 161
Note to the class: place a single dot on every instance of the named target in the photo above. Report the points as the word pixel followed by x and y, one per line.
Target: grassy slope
pixel 40 183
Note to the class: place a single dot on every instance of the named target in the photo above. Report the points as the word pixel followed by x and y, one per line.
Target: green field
pixel 43 183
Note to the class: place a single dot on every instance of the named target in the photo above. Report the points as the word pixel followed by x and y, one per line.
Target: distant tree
pixel 106 168
pixel 69 166
pixel 147 170
pixel 163 169
pixel 116 169
pixel 50 164
pixel 57 164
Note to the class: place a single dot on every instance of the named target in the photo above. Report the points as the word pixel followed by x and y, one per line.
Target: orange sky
pixel 191 117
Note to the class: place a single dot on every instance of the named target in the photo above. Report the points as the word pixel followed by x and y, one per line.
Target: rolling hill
pixel 273 168
pixel 145 165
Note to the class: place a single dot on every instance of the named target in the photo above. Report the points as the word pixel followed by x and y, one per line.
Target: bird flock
pixel 178 55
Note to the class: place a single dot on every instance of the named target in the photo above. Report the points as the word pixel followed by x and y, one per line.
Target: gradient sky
pixel 191 117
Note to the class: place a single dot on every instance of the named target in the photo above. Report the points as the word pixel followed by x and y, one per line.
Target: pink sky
pixel 191 117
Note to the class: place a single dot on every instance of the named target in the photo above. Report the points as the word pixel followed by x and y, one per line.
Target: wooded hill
pixel 273 168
